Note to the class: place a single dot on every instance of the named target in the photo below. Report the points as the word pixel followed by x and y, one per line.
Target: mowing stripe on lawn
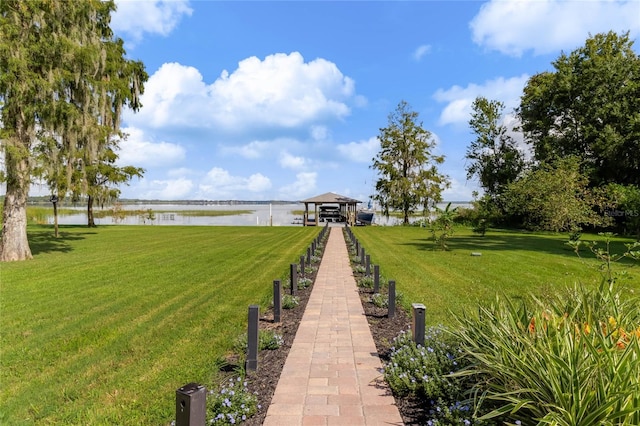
pixel 512 263
pixel 103 325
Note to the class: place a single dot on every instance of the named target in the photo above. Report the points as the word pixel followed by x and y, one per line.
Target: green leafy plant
pixel 304 283
pixel 442 227
pixel 380 300
pixel 289 301
pixel 232 403
pixel 267 340
pixel 426 372
pixel 572 359
pixel 365 282
pixel 607 259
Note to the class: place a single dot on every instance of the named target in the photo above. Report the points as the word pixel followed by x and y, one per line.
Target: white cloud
pixel 134 18
pixel 360 152
pixel 304 186
pixel 289 161
pixel 252 151
pixel 459 191
pixel 421 51
pixel 173 189
pixel 546 26
pixel 319 133
pixel 281 91
pixel 459 99
pixel 220 184
pixel 137 151
pixel 181 172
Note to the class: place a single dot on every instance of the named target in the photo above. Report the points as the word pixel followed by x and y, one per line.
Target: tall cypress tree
pixel 59 62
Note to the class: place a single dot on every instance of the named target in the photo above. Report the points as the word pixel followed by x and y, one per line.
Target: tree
pixel 494 158
pixel 554 197
pixel 408 174
pixel 589 107
pixel 443 224
pixel 101 177
pixel 59 65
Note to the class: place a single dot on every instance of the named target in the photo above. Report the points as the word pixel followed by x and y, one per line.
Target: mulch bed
pixel 271 362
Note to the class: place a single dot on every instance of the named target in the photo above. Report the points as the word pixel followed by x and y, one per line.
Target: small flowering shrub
pixel 380 300
pixel 289 301
pixel 308 270
pixel 232 403
pixel 316 258
pixel 267 340
pixel 304 283
pixel 424 370
pixel 365 282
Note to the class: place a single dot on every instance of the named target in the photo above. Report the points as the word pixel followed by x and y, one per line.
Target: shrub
pixel 359 269
pixel 232 403
pixel 365 282
pixel 380 300
pixel 289 301
pixel 267 340
pixel 573 359
pixel 426 373
pixel 304 283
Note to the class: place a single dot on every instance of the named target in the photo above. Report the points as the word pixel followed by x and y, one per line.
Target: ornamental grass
pixel 571 359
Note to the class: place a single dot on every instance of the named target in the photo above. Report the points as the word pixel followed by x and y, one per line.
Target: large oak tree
pixel 63 80
pixel 589 107
pixel 406 166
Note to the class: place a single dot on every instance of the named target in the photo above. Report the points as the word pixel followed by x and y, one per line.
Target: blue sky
pixel 284 100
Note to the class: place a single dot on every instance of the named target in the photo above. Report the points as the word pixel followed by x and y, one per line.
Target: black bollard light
pixel 277 300
pixel 252 339
pixel 191 405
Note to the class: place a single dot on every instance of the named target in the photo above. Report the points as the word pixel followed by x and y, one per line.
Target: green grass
pixel 512 263
pixel 103 325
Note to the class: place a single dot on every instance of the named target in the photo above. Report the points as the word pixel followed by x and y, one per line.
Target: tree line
pixel 580 163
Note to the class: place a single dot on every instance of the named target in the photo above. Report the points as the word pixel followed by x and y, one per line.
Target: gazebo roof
pixel 331 197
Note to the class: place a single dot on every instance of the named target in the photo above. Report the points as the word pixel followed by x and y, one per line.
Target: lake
pixel 170 214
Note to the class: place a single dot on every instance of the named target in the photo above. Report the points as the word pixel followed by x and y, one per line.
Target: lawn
pixel 512 263
pixel 103 325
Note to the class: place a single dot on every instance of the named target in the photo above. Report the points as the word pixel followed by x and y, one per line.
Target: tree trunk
pixel 14 244
pixel 90 219
pixel 55 219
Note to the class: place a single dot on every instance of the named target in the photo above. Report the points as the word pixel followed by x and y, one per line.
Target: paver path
pixel 332 373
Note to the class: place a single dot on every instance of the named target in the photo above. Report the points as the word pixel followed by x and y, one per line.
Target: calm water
pixel 261 215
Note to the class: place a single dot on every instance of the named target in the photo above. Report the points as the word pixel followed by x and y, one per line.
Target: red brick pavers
pixel 332 373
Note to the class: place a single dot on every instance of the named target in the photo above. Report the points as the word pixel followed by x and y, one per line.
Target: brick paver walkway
pixel 332 373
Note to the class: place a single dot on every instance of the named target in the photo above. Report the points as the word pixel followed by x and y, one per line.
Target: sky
pixel 284 100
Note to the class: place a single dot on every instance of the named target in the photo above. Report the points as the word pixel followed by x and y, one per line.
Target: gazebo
pixel 345 205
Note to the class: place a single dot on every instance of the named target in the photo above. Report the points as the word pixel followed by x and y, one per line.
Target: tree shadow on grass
pixel 501 240
pixel 43 240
